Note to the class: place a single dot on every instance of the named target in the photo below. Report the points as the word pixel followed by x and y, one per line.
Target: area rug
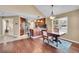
pixel 64 46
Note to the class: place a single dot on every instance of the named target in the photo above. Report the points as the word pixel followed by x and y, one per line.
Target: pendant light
pixel 52 16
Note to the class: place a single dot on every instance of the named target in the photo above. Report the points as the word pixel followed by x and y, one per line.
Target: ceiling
pixel 27 11
pixel 57 9
pixel 43 9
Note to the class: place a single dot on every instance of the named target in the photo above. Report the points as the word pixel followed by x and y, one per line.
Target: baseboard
pixel 14 39
pixel 70 40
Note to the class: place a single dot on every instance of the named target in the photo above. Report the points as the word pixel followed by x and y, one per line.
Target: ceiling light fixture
pixel 52 16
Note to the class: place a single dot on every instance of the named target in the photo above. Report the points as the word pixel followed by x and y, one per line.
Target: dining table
pixel 55 36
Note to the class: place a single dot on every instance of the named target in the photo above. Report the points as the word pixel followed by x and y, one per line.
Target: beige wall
pixel 27 9
pixel 16 25
pixel 0 26
pixel 73 25
pixel 49 24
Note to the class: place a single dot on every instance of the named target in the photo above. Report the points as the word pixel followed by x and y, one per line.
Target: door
pixel 7 26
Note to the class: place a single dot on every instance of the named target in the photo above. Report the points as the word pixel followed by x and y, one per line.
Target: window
pixel 60 25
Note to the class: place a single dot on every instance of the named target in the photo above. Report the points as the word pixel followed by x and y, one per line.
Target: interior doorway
pixel 22 26
pixel 7 26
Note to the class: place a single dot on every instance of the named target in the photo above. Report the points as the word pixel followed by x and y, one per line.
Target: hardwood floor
pixel 33 46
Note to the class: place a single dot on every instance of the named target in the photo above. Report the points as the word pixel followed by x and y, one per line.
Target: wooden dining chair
pixel 45 35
